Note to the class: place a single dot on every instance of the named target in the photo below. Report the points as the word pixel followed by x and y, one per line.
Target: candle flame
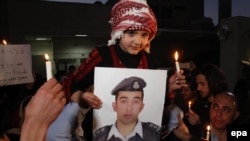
pixel 189 103
pixel 176 56
pixel 4 42
pixel 208 128
pixel 46 57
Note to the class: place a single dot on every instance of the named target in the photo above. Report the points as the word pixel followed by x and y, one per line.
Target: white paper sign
pixel 154 93
pixel 15 64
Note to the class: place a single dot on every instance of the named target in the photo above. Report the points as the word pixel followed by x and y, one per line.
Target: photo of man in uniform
pixel 128 105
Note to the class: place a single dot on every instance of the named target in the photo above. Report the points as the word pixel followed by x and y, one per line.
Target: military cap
pixel 129 84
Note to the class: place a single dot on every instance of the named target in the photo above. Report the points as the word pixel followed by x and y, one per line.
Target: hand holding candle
pixel 208 133
pixel 177 65
pixel 48 67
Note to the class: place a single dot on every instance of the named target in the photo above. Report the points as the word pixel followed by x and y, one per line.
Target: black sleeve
pixel 194 138
pixel 84 77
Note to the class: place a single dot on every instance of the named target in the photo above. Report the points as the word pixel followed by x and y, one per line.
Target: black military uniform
pixel 148 131
pixel 151 132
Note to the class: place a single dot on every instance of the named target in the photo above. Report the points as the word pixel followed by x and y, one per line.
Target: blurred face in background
pixel 187 93
pixel 202 85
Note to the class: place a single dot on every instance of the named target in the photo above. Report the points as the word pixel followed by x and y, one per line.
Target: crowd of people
pixel 62 109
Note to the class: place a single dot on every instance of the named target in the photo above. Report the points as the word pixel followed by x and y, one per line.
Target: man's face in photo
pixel 128 105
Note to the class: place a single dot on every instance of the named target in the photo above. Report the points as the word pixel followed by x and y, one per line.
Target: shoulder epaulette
pixel 102 130
pixel 151 126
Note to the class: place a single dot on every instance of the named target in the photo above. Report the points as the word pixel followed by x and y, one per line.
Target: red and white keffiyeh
pixel 131 15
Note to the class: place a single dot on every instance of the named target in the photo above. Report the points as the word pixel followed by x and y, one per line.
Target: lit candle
pixel 177 65
pixel 48 67
pixel 208 132
pixel 4 42
pixel 189 105
pixel 246 62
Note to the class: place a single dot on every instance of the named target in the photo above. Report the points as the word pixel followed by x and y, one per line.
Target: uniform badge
pixel 136 85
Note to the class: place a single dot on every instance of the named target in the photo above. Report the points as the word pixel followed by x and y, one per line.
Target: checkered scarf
pixel 131 15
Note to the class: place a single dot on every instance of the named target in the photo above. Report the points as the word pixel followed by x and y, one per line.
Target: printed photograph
pixel 133 102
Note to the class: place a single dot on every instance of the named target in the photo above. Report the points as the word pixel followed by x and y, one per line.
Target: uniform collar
pixel 115 132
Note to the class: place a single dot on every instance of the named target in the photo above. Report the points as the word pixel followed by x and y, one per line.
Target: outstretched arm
pixel 61 129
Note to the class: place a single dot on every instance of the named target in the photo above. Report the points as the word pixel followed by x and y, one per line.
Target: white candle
pixel 245 62
pixel 48 67
pixel 177 65
pixel 208 133
pixel 189 105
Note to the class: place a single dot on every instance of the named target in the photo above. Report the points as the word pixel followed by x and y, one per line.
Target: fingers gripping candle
pixel 48 67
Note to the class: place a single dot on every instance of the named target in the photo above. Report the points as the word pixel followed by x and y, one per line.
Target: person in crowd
pixel 128 105
pixel 242 92
pixel 69 120
pixel 133 26
pixel 71 69
pixel 31 88
pixel 42 110
pixel 223 112
pixel 9 104
pixel 171 110
pixel 60 75
pixel 210 80
pixel 188 99
pixel 186 94
pixel 19 94
pixel 14 133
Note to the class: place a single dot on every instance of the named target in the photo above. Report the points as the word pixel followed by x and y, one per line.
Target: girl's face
pixel 134 41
